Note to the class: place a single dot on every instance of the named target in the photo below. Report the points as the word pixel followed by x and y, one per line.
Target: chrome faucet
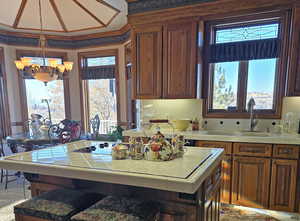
pixel 253 122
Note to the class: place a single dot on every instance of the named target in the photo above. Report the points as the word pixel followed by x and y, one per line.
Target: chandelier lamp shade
pixel 50 70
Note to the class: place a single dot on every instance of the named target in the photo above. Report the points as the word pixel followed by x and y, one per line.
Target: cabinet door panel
pixel 283 185
pixel 226 179
pixel 252 149
pixel 180 60
pixel 227 146
pixel 250 181
pixel 286 151
pixel 147 62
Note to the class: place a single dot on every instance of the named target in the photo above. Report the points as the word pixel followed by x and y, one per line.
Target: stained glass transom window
pixel 101 61
pixel 247 33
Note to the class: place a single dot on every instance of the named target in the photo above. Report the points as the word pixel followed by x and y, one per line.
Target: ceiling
pixel 65 17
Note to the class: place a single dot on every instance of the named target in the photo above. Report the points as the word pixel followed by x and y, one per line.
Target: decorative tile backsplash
pixel 192 108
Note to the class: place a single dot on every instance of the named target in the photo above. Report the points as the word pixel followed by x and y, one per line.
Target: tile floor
pixel 10 197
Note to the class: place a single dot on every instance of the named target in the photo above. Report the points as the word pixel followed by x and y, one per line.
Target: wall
pixel 13 87
pixel 192 108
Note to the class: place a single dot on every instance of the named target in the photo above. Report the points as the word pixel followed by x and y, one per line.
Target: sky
pixel 260 76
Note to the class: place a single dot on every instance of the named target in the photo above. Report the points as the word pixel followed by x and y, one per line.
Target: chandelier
pixel 50 70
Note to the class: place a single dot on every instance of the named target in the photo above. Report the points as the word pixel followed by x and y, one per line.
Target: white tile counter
pixel 180 175
pixel 222 136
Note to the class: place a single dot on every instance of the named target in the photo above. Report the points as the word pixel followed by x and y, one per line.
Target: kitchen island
pixel 187 188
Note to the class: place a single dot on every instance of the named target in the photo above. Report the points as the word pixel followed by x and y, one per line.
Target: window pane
pixel 261 81
pixel 246 33
pixel 103 101
pixel 101 61
pixel 225 85
pixel 54 91
pixel 40 60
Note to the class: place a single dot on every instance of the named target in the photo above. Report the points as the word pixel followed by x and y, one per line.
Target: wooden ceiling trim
pixel 119 32
pixel 54 6
pixel 20 12
pixel 90 13
pixel 115 15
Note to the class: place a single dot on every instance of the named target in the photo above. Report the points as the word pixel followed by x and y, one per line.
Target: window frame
pixel 23 95
pixel 283 18
pixel 83 84
pixel 6 129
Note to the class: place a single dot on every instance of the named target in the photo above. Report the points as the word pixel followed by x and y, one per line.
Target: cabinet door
pixel 251 181
pixel 226 167
pixel 226 179
pixel 294 67
pixel 147 62
pixel 179 62
pixel 283 185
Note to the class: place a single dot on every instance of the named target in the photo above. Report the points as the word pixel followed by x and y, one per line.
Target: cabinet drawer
pixel 252 149
pixel 212 144
pixel 286 151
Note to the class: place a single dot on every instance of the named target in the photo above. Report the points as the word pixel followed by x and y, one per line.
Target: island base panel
pixel 203 205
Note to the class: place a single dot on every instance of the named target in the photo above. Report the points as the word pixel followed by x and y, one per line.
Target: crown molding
pixel 140 6
pixel 67 42
pixel 202 10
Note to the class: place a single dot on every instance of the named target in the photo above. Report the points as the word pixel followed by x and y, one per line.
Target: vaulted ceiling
pixel 68 17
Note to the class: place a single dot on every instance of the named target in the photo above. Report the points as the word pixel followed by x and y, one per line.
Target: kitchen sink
pixel 237 133
pixel 254 134
pixel 225 133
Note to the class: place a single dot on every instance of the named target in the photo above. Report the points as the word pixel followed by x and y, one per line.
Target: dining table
pixel 28 142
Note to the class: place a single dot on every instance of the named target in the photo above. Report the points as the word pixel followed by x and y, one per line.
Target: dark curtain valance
pixel 246 50
pixel 101 72
pixel 27 75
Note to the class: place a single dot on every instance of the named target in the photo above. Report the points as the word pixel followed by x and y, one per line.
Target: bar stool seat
pixel 57 205
pixel 113 208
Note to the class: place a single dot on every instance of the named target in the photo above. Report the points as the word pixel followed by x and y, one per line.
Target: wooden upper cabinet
pixel 180 46
pixel 294 66
pixel 251 181
pixel 164 61
pixel 147 62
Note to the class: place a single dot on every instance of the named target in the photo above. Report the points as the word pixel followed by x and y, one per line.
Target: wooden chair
pixel 120 209
pixel 56 205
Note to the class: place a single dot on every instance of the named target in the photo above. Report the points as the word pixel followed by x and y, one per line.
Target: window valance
pixel 244 50
pixel 99 72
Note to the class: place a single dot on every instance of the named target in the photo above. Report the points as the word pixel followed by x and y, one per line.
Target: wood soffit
pixel 67 42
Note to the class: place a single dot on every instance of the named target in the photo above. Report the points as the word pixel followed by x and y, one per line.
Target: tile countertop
pixel 180 175
pixel 222 136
